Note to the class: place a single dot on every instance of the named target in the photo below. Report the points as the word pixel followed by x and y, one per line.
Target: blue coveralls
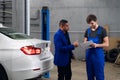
pixel 95 59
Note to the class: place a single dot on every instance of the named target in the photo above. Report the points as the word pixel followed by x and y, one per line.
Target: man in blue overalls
pixel 95 54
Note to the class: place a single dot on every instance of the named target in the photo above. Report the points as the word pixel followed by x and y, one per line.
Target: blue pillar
pixel 45 23
pixel 45 29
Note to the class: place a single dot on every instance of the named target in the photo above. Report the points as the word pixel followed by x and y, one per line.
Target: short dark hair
pixel 90 18
pixel 63 22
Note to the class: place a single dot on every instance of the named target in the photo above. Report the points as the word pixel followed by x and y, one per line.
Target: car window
pixel 13 34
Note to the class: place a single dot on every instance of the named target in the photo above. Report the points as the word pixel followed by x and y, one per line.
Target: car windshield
pixel 13 34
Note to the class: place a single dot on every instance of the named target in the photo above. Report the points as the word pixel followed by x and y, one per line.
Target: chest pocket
pixel 97 38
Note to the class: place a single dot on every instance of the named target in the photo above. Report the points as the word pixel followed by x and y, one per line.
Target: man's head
pixel 92 21
pixel 63 24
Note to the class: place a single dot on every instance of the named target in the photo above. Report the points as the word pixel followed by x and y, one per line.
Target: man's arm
pixel 104 44
pixel 59 44
pixel 85 36
pixel 85 39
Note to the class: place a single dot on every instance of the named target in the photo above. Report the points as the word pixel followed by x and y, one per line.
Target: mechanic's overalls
pixel 95 59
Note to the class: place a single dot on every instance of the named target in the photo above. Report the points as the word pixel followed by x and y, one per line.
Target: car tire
pixel 3 75
pixel 112 55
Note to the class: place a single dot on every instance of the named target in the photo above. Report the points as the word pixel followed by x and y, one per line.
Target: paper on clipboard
pixel 86 45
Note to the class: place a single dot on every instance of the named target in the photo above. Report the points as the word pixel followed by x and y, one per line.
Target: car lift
pixel 45 29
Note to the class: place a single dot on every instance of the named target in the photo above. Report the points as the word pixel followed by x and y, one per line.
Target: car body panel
pixel 20 66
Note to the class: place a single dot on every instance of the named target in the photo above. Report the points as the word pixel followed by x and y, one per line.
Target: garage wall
pixel 18 15
pixel 107 12
pixel 6 12
pixel 75 11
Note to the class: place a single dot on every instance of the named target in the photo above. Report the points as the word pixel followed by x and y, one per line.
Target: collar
pixel 61 31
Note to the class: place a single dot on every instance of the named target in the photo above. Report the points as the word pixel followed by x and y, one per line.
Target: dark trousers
pixel 64 72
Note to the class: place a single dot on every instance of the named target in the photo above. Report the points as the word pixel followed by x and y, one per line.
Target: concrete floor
pixel 112 71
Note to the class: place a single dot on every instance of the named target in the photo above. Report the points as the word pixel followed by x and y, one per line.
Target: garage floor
pixel 112 71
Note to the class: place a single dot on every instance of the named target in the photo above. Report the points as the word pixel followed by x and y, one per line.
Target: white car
pixel 23 57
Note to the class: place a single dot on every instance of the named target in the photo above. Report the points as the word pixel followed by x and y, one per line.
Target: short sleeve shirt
pixel 94 33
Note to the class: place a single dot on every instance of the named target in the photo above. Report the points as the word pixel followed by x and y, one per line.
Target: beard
pixel 93 27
